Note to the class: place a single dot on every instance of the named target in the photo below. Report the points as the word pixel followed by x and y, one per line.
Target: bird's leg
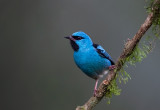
pixel 95 88
pixel 112 67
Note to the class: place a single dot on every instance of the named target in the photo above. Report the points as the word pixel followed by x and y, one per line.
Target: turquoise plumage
pixel 91 58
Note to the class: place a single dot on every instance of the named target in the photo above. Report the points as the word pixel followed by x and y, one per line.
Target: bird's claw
pixel 112 67
pixel 95 93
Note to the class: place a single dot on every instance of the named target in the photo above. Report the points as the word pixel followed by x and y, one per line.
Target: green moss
pixel 112 89
pixel 137 55
pixel 151 6
pixel 123 76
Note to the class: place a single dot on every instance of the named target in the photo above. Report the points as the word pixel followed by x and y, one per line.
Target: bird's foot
pixel 112 67
pixel 95 93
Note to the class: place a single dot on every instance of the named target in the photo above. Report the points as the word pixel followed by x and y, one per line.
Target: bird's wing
pixel 103 53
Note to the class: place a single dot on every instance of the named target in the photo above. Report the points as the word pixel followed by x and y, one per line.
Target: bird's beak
pixel 70 38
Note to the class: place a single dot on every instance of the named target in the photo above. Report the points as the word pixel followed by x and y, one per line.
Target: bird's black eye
pixel 77 37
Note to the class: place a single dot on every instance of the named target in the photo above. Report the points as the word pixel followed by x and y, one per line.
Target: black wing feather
pixel 103 53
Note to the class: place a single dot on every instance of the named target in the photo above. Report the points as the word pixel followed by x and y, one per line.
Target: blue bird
pixel 91 58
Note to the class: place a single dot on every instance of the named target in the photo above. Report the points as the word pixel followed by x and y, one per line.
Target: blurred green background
pixel 37 67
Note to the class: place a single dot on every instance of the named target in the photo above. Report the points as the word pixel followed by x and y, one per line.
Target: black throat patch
pixel 74 45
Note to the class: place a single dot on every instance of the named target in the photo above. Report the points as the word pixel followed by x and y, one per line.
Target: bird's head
pixel 79 40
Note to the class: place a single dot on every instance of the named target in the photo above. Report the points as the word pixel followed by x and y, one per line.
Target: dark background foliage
pixel 37 67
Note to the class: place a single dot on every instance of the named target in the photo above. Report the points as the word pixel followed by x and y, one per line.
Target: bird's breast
pixel 90 62
pixel 85 57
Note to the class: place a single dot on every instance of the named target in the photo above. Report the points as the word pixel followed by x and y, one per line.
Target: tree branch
pixel 127 51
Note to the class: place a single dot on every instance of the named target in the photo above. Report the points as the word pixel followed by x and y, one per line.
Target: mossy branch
pixel 153 18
